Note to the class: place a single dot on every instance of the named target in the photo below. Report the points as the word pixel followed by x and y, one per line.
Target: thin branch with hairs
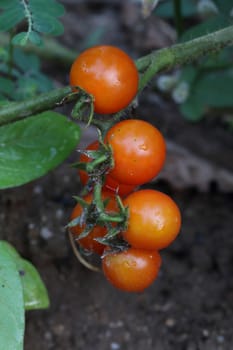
pixel 148 65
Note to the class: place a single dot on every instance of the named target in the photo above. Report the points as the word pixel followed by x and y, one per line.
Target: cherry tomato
pixel 89 241
pixel 107 73
pixel 138 151
pixel 110 183
pixel 154 220
pixel 132 270
pixel 121 189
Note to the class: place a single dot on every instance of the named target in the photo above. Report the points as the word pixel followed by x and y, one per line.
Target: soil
pixel 190 306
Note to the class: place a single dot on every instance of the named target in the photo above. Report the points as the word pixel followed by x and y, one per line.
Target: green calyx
pixel 96 214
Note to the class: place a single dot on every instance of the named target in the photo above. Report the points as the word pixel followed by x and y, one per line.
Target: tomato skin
pixel 120 189
pixel 107 73
pixel 154 220
pixel 139 151
pixel 132 270
pixel 110 183
pixel 89 241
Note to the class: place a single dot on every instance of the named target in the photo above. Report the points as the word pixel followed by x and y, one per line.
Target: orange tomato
pixel 154 220
pixel 132 270
pixel 107 73
pixel 139 151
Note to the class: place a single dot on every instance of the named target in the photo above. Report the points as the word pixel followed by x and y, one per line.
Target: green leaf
pixel 189 74
pixel 12 304
pixel 47 24
pixel 4 69
pixel 192 109
pixel 29 86
pixel 224 6
pixel 44 84
pixel 20 38
pixel 23 37
pixel 166 9
pixel 26 87
pixel 6 3
pixel 206 27
pixel 26 61
pixel 215 89
pixel 35 38
pixel 11 17
pixel 35 294
pixel 4 54
pixel 210 90
pixel 34 291
pixel 50 7
pixel 32 147
pixel 6 85
pixel 2 100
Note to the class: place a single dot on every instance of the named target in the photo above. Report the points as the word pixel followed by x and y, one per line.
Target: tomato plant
pixel 131 270
pixel 107 73
pixel 138 151
pixel 34 139
pixel 89 242
pixel 154 220
pixel 109 183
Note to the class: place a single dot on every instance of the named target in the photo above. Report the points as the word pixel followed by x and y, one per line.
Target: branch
pixel 151 64
pixel 184 53
pixel 14 111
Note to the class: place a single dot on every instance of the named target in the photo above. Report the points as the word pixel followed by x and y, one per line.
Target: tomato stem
pixel 104 158
pixel 103 217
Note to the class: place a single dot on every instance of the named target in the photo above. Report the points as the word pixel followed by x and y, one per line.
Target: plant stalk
pixel 183 53
pixel 149 65
pixel 177 5
pixel 14 111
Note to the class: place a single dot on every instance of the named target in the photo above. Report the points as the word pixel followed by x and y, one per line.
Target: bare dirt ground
pixel 190 306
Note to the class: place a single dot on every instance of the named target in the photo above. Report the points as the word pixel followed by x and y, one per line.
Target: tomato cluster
pixel 131 153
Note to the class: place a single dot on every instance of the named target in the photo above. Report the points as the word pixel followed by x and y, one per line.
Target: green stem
pixel 184 53
pixel 103 216
pixel 90 167
pixel 18 110
pixel 111 218
pixel 178 16
pixel 28 17
pixel 97 197
pixel 151 64
pixel 11 54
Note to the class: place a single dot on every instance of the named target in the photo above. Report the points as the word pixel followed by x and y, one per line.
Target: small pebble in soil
pixel 115 346
pixel 205 333
pixel 220 339
pixel 170 322
pixel 37 189
pixel 59 213
pixel 46 233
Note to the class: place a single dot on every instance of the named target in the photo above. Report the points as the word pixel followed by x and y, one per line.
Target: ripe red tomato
pixel 132 270
pixel 118 188
pixel 154 220
pixel 139 151
pixel 110 183
pixel 107 73
pixel 89 241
